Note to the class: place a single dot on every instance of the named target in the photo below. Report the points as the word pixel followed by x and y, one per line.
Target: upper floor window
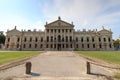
pixel 18 39
pixel 55 30
pixel 104 39
pixel 25 39
pixel 63 30
pixel 87 39
pixel 109 39
pixel 70 30
pixel 93 39
pixel 48 30
pixel 99 39
pixel 8 39
pixel 70 38
pixel 30 39
pixel 82 39
pixel 51 30
pixel 66 30
pixel 47 38
pixel 58 30
pixel 36 39
pixel 76 39
pixel 41 39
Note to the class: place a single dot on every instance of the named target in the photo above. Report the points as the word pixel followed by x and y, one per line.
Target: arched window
pixel 87 39
pixel 36 39
pixel 25 39
pixel 76 39
pixel 104 39
pixel 59 38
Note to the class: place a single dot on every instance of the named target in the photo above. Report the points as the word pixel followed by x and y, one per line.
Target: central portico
pixel 59 35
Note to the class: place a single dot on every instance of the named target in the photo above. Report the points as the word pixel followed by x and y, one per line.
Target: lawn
pixel 10 56
pixel 109 56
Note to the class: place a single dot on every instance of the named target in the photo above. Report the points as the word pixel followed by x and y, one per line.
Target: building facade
pixel 59 35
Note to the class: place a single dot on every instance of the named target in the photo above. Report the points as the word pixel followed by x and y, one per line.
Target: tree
pixel 2 39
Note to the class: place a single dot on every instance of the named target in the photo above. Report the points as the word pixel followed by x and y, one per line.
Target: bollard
pixel 88 67
pixel 28 67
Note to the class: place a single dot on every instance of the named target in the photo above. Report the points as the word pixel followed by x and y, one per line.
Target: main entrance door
pixel 59 47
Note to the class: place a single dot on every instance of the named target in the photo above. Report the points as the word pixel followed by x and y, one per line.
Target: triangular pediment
pixel 59 23
pixel 14 32
pixel 104 31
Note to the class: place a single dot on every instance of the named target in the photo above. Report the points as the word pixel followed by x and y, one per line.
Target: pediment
pixel 59 23
pixel 14 32
pixel 104 31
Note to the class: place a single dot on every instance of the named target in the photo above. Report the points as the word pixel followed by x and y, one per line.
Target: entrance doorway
pixel 59 47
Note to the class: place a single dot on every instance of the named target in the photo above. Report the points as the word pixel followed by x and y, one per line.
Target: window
pixel 54 45
pixel 41 46
pixel 51 30
pixel 51 38
pixel 76 39
pixel 110 46
pixel 7 45
pixel 63 30
pixel 93 45
pixel 41 39
pixel 88 46
pixel 66 38
pixel 104 39
pixel 100 46
pixel 93 39
pixel 35 45
pixel 36 39
pixel 48 30
pixel 99 39
pixel 70 30
pixel 24 46
pixel 30 39
pixel 51 46
pixel 63 39
pixel 109 39
pixel 82 45
pixel 47 46
pixel 29 45
pixel 25 39
pixel 63 45
pixel 70 45
pixel 17 45
pixel 47 38
pixel 82 39
pixel 70 38
pixel 55 30
pixel 87 39
pixel 18 39
pixel 8 39
pixel 59 30
pixel 66 45
pixel 76 45
pixel 66 30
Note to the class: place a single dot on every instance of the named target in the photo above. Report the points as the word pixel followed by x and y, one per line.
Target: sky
pixel 85 14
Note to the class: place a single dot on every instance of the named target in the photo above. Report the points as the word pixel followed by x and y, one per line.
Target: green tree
pixel 2 39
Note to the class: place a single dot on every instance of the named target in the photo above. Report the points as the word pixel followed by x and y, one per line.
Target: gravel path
pixel 64 65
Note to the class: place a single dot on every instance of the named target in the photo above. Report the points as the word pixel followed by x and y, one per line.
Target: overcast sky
pixel 85 14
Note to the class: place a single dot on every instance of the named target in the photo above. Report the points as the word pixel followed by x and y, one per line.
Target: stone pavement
pixel 57 65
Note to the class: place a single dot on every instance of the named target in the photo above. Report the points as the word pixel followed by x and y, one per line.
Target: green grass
pixel 109 56
pixel 117 76
pixel 10 56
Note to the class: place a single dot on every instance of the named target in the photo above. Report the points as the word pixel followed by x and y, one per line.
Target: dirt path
pixel 57 64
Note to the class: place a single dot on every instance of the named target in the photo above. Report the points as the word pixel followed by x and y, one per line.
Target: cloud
pixel 84 11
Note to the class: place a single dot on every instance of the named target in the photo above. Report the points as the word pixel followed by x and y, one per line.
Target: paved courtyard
pixel 57 65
